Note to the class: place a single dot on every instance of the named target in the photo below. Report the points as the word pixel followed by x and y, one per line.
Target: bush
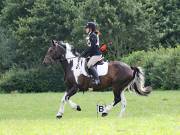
pixel 38 79
pixel 162 66
pixel 7 51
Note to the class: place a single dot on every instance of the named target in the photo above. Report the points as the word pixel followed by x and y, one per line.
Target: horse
pixel 119 76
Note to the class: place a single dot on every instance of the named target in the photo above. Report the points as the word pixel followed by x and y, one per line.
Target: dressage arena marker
pixel 100 107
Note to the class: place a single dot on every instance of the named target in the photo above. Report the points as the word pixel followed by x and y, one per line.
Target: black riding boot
pixel 93 72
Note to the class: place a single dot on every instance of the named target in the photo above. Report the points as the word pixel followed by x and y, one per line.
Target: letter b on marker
pixel 101 108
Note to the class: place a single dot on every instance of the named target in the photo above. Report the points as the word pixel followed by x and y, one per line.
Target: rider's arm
pixel 93 41
pixel 85 52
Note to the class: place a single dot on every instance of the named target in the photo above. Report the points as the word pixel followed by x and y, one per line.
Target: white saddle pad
pixel 78 68
pixel 101 69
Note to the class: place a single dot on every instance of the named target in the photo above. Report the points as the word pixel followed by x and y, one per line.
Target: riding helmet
pixel 91 25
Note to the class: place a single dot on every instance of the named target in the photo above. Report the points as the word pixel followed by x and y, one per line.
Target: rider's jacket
pixel 93 45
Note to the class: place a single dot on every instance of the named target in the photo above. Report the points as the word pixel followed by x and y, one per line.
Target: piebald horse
pixel 119 76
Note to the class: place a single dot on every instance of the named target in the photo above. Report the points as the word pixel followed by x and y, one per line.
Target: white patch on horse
pixel 61 108
pixel 72 104
pixel 123 104
pixel 69 53
pixel 71 57
pixel 80 69
pixel 108 107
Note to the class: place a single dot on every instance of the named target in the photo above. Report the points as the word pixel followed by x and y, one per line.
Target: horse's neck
pixel 68 64
pixel 65 66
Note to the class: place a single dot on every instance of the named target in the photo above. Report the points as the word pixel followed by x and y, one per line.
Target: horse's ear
pixel 53 43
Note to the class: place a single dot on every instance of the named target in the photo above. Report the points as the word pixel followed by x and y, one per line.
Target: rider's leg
pixel 93 60
pixel 93 72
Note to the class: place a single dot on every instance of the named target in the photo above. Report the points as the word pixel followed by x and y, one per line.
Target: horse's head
pixel 55 53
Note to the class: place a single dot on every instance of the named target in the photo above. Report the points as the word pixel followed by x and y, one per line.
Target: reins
pixel 61 60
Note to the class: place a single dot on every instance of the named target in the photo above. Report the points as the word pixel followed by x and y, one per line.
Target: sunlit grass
pixel 34 114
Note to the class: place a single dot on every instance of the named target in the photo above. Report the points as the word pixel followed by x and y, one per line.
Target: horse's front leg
pixel 61 108
pixel 66 98
pixel 71 92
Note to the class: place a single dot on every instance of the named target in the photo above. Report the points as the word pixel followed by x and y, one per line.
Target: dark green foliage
pixel 132 25
pixel 12 10
pixel 162 66
pixel 7 51
pixel 120 21
pixel 47 20
pixel 164 20
pixel 168 21
pixel 28 26
pixel 1 4
pixel 40 79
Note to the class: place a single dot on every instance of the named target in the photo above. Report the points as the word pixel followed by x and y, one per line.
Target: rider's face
pixel 87 30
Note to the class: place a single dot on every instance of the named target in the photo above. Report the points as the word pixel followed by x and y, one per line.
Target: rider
pixel 92 50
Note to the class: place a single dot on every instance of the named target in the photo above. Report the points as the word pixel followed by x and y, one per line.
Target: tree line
pixel 28 26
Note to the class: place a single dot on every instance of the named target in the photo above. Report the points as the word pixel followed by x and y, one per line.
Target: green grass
pixel 34 114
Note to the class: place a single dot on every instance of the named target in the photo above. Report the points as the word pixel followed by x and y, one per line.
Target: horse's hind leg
pixel 123 104
pixel 117 99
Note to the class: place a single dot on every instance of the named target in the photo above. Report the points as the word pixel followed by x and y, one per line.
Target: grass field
pixel 34 114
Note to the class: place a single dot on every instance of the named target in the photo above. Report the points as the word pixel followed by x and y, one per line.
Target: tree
pixel 7 51
pixel 163 16
pixel 1 5
pixel 47 20
pixel 120 21
pixel 168 22
pixel 12 11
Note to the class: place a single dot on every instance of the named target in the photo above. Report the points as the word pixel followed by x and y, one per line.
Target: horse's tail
pixel 137 83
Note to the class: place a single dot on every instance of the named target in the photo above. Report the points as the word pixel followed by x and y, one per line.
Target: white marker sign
pixel 100 108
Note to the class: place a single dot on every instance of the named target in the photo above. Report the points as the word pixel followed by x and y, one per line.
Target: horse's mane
pixel 70 48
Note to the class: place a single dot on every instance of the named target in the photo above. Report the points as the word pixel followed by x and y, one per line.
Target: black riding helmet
pixel 91 25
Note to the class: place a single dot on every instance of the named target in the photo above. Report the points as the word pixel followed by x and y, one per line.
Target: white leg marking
pixel 61 108
pixel 72 104
pixel 123 104
pixel 108 108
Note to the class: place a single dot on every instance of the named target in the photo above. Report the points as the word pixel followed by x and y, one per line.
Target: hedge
pixel 162 66
pixel 39 79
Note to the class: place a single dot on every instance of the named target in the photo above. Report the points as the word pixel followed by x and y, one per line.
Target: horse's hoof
pixel 104 114
pixel 78 108
pixel 59 116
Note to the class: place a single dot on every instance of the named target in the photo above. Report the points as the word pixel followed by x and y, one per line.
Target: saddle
pixel 101 67
pixel 100 62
